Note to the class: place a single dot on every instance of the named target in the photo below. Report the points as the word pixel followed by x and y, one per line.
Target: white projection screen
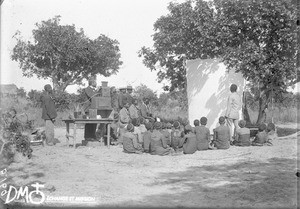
pixel 208 83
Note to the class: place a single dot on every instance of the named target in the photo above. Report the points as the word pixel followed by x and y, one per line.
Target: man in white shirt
pixel 232 111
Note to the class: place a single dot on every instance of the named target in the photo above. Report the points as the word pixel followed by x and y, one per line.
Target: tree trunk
pixel 245 112
pixel 261 112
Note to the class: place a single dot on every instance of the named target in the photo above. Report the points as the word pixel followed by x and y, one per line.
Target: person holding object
pixel 48 114
pixel 232 111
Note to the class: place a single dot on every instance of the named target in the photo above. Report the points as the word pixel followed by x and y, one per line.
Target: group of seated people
pixel 158 138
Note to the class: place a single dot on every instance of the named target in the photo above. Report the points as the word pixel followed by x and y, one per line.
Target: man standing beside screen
pixel 232 111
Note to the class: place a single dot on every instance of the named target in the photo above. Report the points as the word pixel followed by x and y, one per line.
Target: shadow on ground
pixel 244 184
pixel 258 184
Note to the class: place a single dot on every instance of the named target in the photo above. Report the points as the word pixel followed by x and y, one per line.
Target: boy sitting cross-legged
pixel 221 135
pixel 202 134
pixel 243 135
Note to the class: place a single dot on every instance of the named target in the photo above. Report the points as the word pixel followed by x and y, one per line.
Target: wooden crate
pixel 101 102
pixel 93 113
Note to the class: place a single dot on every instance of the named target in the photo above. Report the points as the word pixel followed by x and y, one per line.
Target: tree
pixel 255 37
pixel 260 39
pixel 64 55
pixel 185 33
pixel 142 91
pixel 21 92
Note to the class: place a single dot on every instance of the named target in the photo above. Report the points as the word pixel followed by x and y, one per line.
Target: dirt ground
pixel 259 177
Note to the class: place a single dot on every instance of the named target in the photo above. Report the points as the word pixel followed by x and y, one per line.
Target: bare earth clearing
pixel 260 177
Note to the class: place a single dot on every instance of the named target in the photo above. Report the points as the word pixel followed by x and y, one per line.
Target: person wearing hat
pixel 48 114
pixel 232 111
pixel 130 142
pixel 221 135
pixel 242 135
pixel 158 145
pixel 202 134
pixel 122 99
pixel 129 94
pixel 189 141
pixel 176 137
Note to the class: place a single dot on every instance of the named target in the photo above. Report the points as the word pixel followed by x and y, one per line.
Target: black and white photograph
pixel 149 104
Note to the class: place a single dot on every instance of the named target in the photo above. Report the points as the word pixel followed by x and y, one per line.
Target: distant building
pixel 8 90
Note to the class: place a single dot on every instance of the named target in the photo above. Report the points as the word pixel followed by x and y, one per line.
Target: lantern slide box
pixel 101 102
pixel 105 92
pixel 93 113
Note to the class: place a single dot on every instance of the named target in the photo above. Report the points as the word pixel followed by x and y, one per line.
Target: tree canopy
pixel 65 55
pixel 255 37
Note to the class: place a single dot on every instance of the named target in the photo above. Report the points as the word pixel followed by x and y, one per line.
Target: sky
pixel 128 21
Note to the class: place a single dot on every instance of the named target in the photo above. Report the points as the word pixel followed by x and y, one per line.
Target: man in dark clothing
pixel 48 114
pixel 122 98
pixel 114 99
pixel 129 95
pixel 90 92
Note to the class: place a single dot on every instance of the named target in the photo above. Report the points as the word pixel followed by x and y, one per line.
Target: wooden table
pixel 86 121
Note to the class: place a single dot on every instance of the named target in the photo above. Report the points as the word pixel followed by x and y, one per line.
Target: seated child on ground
pixel 261 137
pixel 271 130
pixel 142 124
pixel 137 131
pixel 158 145
pixel 176 136
pixel 130 142
pixel 166 134
pixel 147 137
pixel 189 141
pixel 221 135
pixel 169 128
pixel 202 134
pixel 243 135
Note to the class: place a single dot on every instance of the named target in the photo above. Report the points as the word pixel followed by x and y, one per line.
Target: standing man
pixel 122 97
pixel 114 99
pixel 232 111
pixel 129 95
pixel 90 92
pixel 48 114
